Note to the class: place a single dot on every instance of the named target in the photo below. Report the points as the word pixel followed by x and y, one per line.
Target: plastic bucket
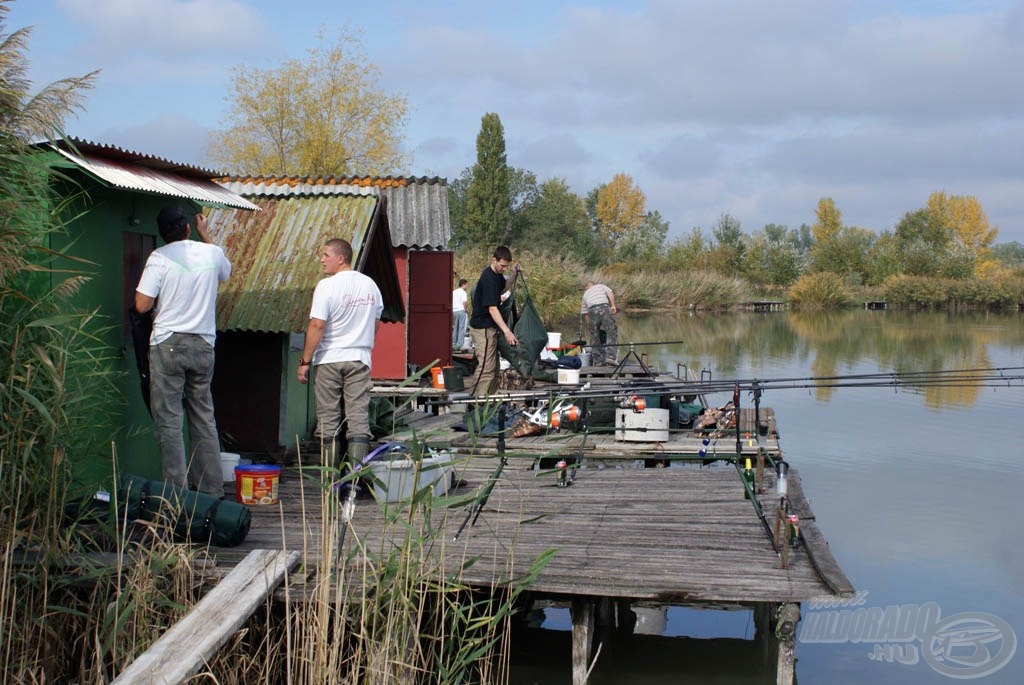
pixel 257 483
pixel 452 376
pixel 568 376
pixel 585 358
pixel 554 340
pixel 228 462
pixel 437 377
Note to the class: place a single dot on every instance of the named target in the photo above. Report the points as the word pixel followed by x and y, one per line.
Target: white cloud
pixel 166 29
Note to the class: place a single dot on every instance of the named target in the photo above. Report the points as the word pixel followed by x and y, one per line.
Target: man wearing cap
pixel 179 283
pixel 598 310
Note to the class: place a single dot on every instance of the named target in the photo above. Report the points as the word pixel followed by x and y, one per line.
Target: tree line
pixel 327 115
pixel 492 203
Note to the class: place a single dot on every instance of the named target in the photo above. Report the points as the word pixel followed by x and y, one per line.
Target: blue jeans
pixel 181 369
pixel 459 330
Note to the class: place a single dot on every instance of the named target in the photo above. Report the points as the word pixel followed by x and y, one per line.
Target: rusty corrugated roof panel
pixel 273 256
pixel 145 173
pixel 417 207
pixel 262 187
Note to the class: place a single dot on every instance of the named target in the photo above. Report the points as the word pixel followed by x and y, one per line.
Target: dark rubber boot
pixel 358 447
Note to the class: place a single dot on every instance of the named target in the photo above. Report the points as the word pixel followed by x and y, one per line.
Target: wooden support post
pixel 605 613
pixel 759 472
pixel 764 620
pixel 765 614
pixel 582 611
pixel 625 616
pixel 785 630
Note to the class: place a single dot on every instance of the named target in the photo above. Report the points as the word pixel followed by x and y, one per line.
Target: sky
pixel 739 107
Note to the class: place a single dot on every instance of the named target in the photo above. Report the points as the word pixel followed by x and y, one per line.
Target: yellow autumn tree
pixel 621 208
pixel 826 230
pixel 325 115
pixel 969 224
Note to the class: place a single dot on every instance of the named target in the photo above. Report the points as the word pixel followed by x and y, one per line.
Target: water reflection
pixel 916 491
pixel 831 343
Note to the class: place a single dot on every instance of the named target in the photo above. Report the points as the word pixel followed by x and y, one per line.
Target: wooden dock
pixel 681 533
pixel 671 535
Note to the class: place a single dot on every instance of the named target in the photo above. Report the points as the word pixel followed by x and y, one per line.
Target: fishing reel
pixel 563 415
pixel 635 402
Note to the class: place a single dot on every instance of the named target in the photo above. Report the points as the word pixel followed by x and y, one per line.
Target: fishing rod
pixel 758 509
pixel 631 344
pixel 982 377
pixel 478 505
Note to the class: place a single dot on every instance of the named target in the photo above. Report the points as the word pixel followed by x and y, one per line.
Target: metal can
pixel 563 474
pixel 793 522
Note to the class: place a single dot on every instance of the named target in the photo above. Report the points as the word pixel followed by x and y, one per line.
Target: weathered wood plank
pixel 180 652
pixel 683 532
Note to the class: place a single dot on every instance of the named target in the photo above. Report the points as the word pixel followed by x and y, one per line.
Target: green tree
pixel 727 255
pixel 557 224
pixel 326 115
pixel 922 241
pixel 458 190
pixel 647 242
pixel 488 212
pixel 772 256
pixel 523 192
pixel 688 253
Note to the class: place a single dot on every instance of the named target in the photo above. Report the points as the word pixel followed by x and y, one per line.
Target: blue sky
pixel 722 106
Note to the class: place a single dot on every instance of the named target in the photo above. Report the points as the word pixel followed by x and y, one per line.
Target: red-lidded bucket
pixel 257 483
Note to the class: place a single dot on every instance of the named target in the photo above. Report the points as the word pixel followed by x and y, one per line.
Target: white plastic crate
pixel 394 478
pixel 650 425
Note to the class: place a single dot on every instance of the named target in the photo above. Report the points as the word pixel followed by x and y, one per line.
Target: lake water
pixel 919 494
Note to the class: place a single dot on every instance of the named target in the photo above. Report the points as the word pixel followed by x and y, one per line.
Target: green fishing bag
pixel 531 333
pixel 194 516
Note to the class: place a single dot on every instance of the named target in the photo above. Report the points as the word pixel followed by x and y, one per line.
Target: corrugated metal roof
pixel 417 207
pixel 274 256
pixel 145 173
pixel 418 214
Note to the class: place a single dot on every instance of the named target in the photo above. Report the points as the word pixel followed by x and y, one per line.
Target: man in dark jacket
pixel 487 323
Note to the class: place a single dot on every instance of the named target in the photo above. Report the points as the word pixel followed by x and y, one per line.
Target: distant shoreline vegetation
pixel 555 284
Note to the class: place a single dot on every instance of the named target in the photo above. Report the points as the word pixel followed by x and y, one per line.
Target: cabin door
pixel 430 307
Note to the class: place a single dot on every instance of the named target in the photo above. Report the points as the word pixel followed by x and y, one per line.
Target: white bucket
pixel 228 462
pixel 568 376
pixel 554 340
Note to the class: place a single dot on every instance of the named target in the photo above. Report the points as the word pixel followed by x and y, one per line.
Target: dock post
pixel 785 631
pixel 605 618
pixel 582 630
pixel 624 615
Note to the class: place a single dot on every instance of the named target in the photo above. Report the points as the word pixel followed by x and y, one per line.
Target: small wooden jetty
pixel 653 522
pixel 765 305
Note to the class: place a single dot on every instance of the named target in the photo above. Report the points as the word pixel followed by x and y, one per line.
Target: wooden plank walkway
pixel 185 647
pixel 671 535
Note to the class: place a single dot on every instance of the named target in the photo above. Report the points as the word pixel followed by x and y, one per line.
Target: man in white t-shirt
pixel 179 282
pixel 343 321
pixel 459 314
